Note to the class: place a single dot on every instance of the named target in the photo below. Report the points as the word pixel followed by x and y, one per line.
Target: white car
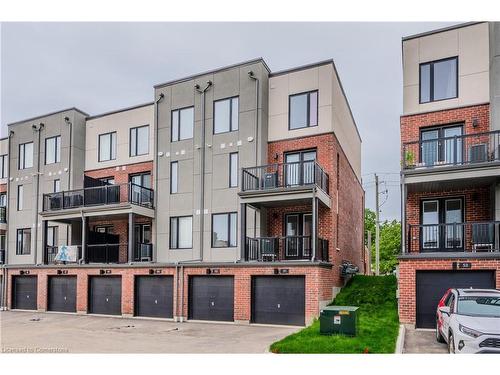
pixel 468 320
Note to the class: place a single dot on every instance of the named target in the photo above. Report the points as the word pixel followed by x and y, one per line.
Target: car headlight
pixel 469 331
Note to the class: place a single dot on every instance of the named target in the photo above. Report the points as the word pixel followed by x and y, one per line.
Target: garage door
pixel 24 292
pixel 154 296
pixel 278 300
pixel 105 295
pixel 431 286
pixel 62 293
pixel 211 298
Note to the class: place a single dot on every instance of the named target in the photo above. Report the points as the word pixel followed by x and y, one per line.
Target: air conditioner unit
pixel 270 180
pixel 478 153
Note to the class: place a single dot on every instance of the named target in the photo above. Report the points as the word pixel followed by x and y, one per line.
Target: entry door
pixel 442 228
pixel 142 235
pixel 140 180
pixel 441 145
pixel 299 168
pixel 298 235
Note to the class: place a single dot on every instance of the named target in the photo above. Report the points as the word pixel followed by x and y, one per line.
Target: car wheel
pixel 439 336
pixel 451 344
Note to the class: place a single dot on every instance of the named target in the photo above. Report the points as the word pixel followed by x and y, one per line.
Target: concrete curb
pixel 400 342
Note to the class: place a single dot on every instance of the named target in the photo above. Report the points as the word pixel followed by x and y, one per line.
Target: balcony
pixel 275 184
pixel 462 150
pixel 471 237
pixel 3 215
pixel 288 248
pixel 114 253
pixel 99 196
pixel 285 176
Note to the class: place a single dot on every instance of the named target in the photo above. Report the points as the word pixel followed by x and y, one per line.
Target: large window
pixel 52 239
pixel 53 150
pixel 233 169
pixel 107 146
pixel 23 242
pixel 224 231
pixel 182 124
pixel 3 166
pixel 20 197
pixel 439 80
pixel 139 141
pixel 3 199
pixel 441 145
pixel 303 111
pixel 26 155
pixel 174 174
pixel 181 232
pixel 226 113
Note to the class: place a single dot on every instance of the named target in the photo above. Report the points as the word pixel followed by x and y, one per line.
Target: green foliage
pixel 378 321
pixel 390 241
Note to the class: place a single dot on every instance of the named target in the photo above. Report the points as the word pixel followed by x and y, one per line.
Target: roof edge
pixel 120 110
pixel 301 67
pixel 49 114
pixel 211 71
pixel 441 30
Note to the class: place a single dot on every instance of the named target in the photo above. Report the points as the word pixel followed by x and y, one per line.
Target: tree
pixel 390 241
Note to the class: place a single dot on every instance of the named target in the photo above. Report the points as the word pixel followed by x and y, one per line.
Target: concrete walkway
pixel 422 341
pixel 69 333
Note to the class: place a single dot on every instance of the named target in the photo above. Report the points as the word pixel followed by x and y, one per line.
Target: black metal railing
pixel 99 195
pixel 465 149
pixel 285 175
pixel 264 249
pixel 3 215
pixel 455 237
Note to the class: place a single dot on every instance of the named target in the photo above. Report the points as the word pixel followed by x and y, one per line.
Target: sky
pixel 99 67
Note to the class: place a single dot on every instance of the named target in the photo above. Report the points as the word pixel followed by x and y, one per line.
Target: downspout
pixel 252 76
pixel 202 166
pixel 155 246
pixel 39 130
pixel 70 124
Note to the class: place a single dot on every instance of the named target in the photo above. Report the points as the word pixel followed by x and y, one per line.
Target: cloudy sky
pixel 99 67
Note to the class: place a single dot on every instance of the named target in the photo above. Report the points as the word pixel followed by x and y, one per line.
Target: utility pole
pixel 377 229
pixel 369 246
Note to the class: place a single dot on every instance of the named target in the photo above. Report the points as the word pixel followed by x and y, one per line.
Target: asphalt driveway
pixel 68 333
pixel 422 341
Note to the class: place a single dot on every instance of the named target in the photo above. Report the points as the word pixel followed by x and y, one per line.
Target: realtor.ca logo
pixel 34 350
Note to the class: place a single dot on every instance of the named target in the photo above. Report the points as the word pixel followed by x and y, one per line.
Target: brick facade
pixel 407 279
pixel 318 285
pixel 343 229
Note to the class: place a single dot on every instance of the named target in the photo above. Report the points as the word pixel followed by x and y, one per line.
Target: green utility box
pixel 339 320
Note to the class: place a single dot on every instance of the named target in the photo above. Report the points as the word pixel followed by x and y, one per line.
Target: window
pixel 52 236
pixel 224 231
pixel 439 80
pixel 2 242
pixel 107 146
pixel 26 155
pixel 182 124
pixel 53 150
pixel 233 169
pixel 139 141
pixel 23 242
pixel 107 180
pixel 181 232
pixel 20 197
pixel 303 111
pixel 226 113
pixel 174 177
pixel 3 199
pixel 57 186
pixel 442 145
pixel 3 166
pixel 299 167
pixel 141 179
pixel 107 229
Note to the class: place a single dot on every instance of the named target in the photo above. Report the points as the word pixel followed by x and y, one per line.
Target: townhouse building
pixel 235 195
pixel 450 157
